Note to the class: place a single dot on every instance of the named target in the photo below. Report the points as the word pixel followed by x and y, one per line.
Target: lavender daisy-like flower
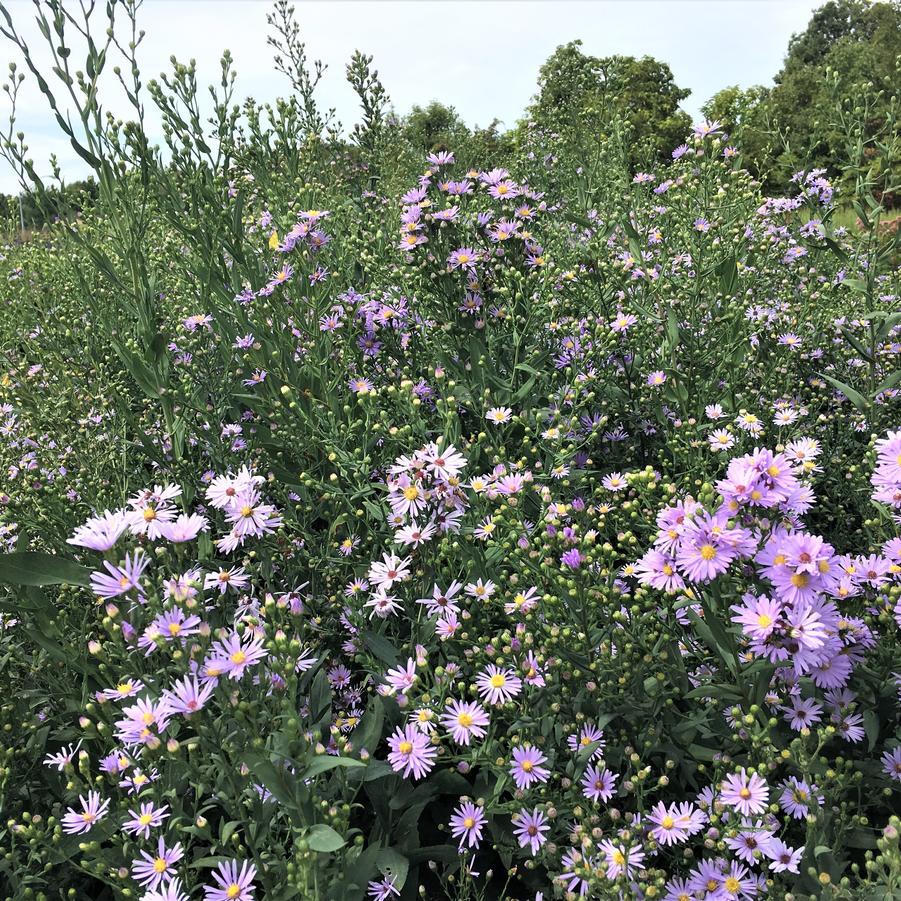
pixel 783 859
pixel 571 559
pixel 465 721
pixel 466 824
pixel 171 892
pixel 462 257
pixel 144 819
pixel 63 758
pixel 497 686
pixel 747 794
pixel 588 735
pixel 234 654
pixel 530 828
pixel 77 822
pixel 411 752
pixel 119 580
pixel 798 798
pixel 383 889
pixel 187 696
pixel 891 763
pixel 151 870
pixel 232 884
pixel 184 528
pixel 598 784
pixel 669 824
pixel 621 860
pixel 526 768
pixel 758 616
pixel 101 532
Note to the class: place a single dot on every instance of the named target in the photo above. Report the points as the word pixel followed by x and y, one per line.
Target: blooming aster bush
pixel 468 531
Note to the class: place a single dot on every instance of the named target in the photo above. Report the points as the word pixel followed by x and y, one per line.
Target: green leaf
pixel 320 696
pixel 871 727
pixel 856 398
pixel 36 568
pixel 890 382
pixel 271 779
pixel 393 864
pixel 381 647
pixel 324 839
pixel 326 762
pixel 727 270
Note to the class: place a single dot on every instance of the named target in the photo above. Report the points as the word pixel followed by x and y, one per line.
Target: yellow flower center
pixel 233 890
pixel 405 747
pixel 149 514
pixel 763 620
pixel 159 865
pixel 238 657
pixel 469 822
pixel 708 552
pixel 464 719
pixel 144 819
pixel 411 493
pixel 498 681
pixel 800 580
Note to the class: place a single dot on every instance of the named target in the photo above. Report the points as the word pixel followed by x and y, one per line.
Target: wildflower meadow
pixel 512 517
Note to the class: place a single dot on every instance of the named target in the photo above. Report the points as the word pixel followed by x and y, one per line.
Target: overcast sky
pixel 480 57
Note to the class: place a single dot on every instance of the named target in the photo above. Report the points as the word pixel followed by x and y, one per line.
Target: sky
pixel 480 57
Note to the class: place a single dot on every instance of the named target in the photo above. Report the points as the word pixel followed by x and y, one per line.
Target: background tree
pixel 579 93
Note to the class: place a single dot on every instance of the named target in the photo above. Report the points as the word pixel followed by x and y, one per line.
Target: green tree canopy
pixel 578 92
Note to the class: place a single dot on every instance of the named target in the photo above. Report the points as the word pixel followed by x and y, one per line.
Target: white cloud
pixel 482 58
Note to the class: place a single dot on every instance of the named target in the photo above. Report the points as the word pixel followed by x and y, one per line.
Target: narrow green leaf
pixel 36 568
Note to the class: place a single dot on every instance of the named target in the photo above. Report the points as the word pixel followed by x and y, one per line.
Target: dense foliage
pixel 479 521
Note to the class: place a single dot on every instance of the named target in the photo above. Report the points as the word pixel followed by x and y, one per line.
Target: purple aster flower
pixel 151 870
pixel 526 768
pixel 571 558
pixel 530 827
pixel 497 686
pixel 411 752
pixel 462 257
pixel 466 824
pixel 146 818
pixel 232 884
pixel 383 889
pixel 597 784
pixel 101 532
pixel 748 795
pixel 465 720
pixel 187 696
pixel 798 798
pixel 891 763
pixel 77 822
pixel 119 580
